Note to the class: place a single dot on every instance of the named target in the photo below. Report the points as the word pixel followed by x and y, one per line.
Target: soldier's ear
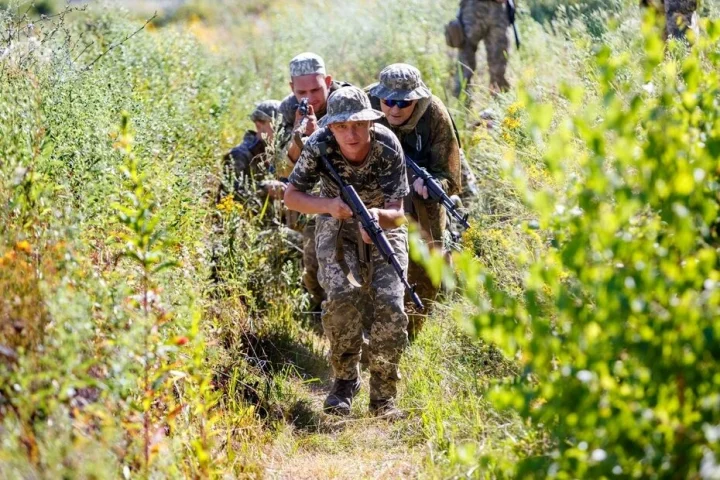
pixel 328 80
pixel 292 88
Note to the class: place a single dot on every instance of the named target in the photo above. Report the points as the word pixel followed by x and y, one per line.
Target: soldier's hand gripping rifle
pixel 436 192
pixel 511 19
pixel 369 224
pixel 303 109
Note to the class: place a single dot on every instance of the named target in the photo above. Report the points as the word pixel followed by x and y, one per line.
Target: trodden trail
pixel 315 445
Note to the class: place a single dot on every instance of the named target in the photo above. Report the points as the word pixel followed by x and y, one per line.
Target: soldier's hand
pixel 311 121
pixel 374 214
pixel 420 188
pixel 339 209
pixel 274 188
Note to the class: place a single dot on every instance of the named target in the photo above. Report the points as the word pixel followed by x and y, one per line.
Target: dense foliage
pixel 617 325
pixel 149 328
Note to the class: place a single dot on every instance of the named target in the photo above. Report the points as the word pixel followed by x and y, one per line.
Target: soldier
pixel 679 15
pixel 427 134
pixel 369 157
pixel 250 163
pixel 485 20
pixel 308 79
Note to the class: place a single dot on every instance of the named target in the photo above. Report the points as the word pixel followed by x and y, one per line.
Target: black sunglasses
pixel 398 103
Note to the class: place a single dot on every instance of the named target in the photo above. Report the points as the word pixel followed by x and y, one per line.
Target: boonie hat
pixel 400 81
pixel 265 111
pixel 350 104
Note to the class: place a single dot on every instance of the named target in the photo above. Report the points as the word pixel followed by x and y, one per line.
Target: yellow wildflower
pixel 514 108
pixel 23 246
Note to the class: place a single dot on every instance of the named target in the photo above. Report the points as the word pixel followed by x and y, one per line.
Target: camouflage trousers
pixel 487 21
pixel 432 235
pixel 310 264
pixel 377 306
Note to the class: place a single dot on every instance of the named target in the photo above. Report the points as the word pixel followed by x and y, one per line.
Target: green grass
pixel 243 395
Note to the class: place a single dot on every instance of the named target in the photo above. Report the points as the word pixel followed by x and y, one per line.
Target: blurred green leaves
pixel 619 321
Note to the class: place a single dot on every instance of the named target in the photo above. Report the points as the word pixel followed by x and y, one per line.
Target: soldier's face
pixel 397 116
pixel 313 87
pixel 353 138
pixel 264 130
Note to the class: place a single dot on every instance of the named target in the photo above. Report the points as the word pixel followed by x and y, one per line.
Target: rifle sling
pixel 364 259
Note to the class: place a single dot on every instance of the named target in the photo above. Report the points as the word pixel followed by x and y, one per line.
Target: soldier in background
pixel 487 21
pixel 251 163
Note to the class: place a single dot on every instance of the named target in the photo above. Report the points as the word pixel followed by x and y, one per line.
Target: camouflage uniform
pixel 251 161
pixel 305 64
pixel 485 20
pixel 379 304
pixel 429 138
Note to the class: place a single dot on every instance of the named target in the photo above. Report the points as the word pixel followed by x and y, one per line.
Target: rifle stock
pixel 369 224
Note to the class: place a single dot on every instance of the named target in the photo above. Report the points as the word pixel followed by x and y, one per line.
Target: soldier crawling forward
pixel 368 157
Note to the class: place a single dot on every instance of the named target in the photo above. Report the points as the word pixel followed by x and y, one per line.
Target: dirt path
pixel 316 445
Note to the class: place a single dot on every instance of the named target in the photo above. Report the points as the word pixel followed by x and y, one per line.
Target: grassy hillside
pixel 119 357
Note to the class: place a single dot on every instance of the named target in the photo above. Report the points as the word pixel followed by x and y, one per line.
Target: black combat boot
pixel 339 400
pixel 386 409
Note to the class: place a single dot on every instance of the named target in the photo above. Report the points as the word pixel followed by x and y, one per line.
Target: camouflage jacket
pixel 380 178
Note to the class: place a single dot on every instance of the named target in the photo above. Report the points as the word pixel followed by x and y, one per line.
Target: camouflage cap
pixel 350 104
pixel 400 81
pixel 266 111
pixel 307 63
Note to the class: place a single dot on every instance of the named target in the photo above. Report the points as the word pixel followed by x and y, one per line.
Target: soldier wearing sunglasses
pixel 427 134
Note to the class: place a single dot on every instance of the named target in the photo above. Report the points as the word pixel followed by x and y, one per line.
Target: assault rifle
pixel 511 19
pixel 369 224
pixel 303 109
pixel 436 192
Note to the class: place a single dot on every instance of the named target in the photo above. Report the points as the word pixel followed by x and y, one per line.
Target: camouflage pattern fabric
pixel 266 111
pixel 244 164
pixel 350 104
pixel 307 63
pixel 379 179
pixel 429 138
pixel 400 81
pixel 679 15
pixel 378 308
pixel 310 264
pixel 290 104
pixel 287 110
pixel 486 21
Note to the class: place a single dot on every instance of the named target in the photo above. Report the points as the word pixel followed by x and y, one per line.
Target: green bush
pixel 620 371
